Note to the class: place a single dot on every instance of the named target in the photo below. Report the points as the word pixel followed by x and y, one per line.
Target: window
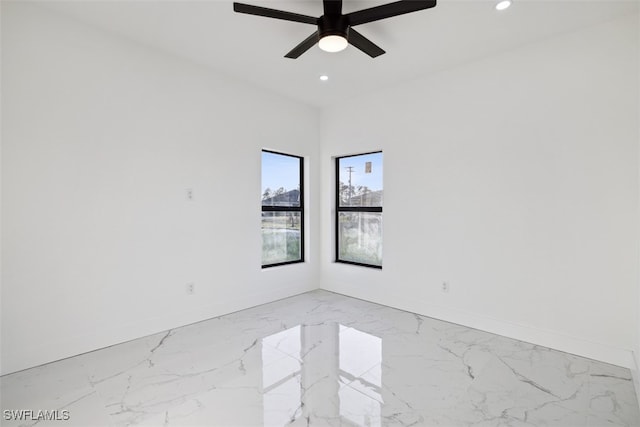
pixel 359 209
pixel 282 209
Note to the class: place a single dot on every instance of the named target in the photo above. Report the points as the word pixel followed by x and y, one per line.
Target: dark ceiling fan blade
pixel 304 46
pixel 273 13
pixel 364 44
pixel 332 7
pixel 388 10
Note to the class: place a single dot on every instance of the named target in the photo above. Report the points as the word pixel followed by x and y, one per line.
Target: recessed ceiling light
pixel 503 4
pixel 324 78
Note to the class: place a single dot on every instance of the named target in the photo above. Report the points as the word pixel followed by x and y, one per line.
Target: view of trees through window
pixel 359 209
pixel 282 209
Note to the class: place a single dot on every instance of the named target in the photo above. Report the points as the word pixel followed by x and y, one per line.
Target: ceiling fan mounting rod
pixel 333 26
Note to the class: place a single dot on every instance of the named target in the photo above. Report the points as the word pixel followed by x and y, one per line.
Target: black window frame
pixel 299 209
pixel 339 209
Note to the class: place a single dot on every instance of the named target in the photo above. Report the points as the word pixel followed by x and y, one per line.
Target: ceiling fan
pixel 335 30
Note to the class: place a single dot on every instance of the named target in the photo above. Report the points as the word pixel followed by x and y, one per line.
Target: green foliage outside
pixel 280 238
pixel 361 238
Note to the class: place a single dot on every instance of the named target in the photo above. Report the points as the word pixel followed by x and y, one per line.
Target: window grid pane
pixel 280 180
pixel 360 237
pixel 281 237
pixel 360 180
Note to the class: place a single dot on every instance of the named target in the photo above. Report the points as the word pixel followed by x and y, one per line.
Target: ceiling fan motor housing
pixel 333 26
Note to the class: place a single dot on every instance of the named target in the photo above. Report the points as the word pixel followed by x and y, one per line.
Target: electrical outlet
pixel 445 287
pixel 189 193
pixel 190 288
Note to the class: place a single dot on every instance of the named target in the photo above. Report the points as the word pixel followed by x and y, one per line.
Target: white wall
pixel 521 170
pixel 101 137
pixel 514 179
pixel 636 370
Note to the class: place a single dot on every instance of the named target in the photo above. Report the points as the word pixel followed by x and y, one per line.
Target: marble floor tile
pixel 323 359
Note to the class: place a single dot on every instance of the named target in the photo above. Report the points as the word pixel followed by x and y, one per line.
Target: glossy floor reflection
pixel 328 360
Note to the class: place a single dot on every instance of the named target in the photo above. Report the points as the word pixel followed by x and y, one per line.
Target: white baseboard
pixel 108 335
pixel 635 375
pixel 551 339
pixel 111 336
pixel 546 338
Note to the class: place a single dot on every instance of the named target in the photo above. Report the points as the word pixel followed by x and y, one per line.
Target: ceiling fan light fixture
pixel 502 5
pixel 333 43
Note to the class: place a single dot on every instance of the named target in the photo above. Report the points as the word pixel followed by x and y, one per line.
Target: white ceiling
pixel 252 48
